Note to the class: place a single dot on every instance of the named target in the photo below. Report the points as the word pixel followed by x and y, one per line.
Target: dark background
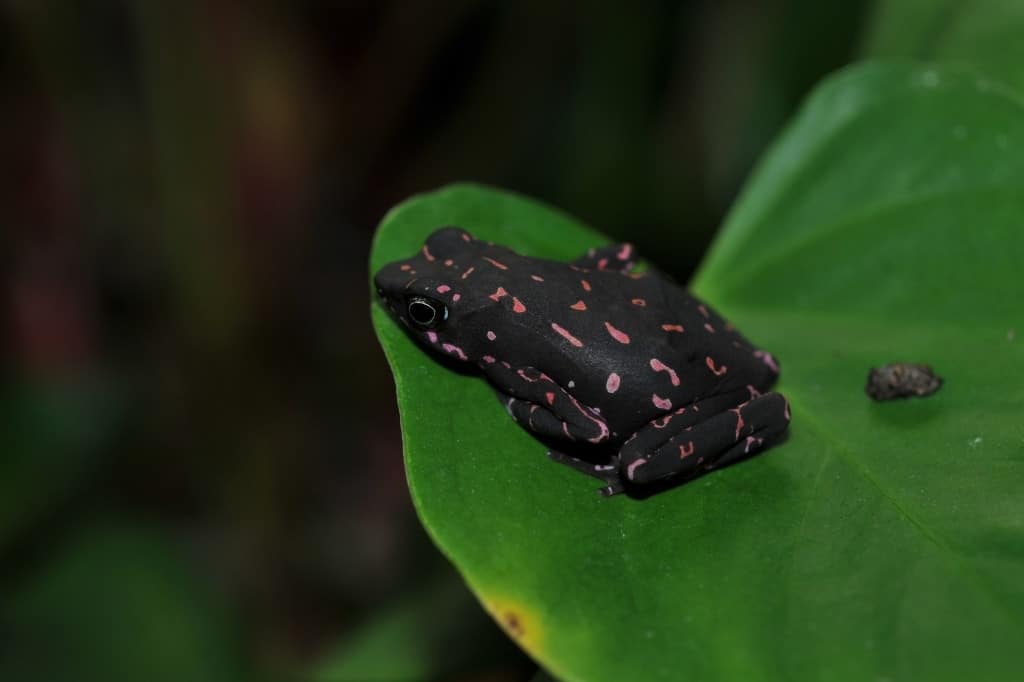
pixel 200 459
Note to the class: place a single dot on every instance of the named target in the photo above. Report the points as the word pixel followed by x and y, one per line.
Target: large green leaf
pixel 881 540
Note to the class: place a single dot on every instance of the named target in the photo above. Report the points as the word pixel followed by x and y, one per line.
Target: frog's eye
pixel 426 313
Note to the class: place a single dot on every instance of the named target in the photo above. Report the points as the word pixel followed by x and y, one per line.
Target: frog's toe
pixel 613 488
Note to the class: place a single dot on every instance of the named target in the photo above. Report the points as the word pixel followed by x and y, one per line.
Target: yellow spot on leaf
pixel 519 622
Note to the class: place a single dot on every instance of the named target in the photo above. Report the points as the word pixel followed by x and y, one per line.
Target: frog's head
pixel 439 293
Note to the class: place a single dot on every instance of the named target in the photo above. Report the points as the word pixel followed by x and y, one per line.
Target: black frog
pixel 593 353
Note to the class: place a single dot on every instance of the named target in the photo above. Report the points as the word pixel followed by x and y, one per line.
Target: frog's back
pixel 636 345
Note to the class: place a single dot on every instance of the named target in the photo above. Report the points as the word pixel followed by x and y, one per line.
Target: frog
pixel 630 378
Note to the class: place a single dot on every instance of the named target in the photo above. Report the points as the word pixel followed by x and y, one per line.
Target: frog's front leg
pixel 618 257
pixel 537 403
pixel 541 406
pixel 703 436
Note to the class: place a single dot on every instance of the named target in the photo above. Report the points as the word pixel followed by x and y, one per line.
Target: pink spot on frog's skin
pixel 673 328
pixel 500 266
pixel 585 284
pixel 661 403
pixel 754 393
pixel 718 371
pixel 579 305
pixel 456 297
pixel 566 335
pixel 632 467
pixel 565 430
pixel 624 252
pixel 448 262
pixel 550 397
pixel 454 350
pixel 659 366
pixel 499 294
pixel 505 364
pixel 536 278
pixel 432 336
pixel 662 423
pixel 525 377
pixel 613 382
pixel 703 310
pixel 751 441
pixel 467 273
pixel 739 420
pixel 707 325
pixel 602 434
pixel 517 306
pixel 466 237
pixel 602 264
pixel 490 335
pixel 426 253
pixel 619 336
pixel 686 450
pixel 640 302
pixel 681 410
pixel 489 359
pixel 785 412
pixel 443 289
pixel 405 267
pixel 767 359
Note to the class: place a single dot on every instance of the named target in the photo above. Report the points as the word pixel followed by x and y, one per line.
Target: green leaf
pixel 882 540
pixel 982 34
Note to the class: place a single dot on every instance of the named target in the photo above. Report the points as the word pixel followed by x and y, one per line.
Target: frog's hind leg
pixel 609 473
pixel 663 448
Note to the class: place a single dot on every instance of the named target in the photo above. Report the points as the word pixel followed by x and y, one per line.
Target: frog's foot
pixel 615 257
pixel 663 449
pixel 609 473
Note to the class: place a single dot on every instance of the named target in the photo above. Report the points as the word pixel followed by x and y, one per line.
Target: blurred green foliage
pixel 114 604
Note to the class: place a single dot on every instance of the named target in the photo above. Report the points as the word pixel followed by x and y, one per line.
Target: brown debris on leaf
pixel 902 380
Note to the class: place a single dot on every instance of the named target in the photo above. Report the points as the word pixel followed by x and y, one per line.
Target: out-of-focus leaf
pixel 439 633
pixel 49 441
pixel 115 605
pixel 982 34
